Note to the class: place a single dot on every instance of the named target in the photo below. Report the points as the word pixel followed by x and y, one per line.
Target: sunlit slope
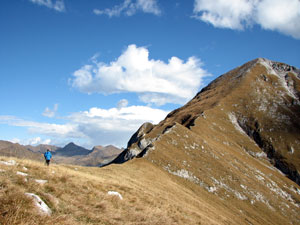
pixel 238 140
pixel 79 195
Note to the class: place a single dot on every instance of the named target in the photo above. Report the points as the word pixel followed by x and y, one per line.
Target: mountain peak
pixel 259 100
pixel 72 149
pixel 233 138
pixel 71 144
pixel 278 68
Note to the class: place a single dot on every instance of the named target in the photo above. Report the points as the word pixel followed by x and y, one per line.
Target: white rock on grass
pixel 41 181
pixel 40 204
pixel 1 170
pixel 9 163
pixel 22 174
pixel 115 193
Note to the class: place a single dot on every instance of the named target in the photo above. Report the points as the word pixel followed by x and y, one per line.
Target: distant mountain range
pixel 16 150
pixel 69 154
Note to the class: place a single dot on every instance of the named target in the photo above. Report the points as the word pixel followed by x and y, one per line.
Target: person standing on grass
pixel 48 157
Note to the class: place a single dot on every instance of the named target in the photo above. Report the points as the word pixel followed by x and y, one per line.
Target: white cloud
pixel 224 13
pixel 279 15
pixel 55 130
pixel 122 103
pixel 93 127
pixel 37 141
pixel 153 80
pixel 115 125
pixel 58 5
pixel 50 112
pixel 15 140
pixel 130 7
pixel 31 141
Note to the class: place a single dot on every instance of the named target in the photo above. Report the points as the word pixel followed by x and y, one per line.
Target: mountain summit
pixel 72 149
pixel 238 138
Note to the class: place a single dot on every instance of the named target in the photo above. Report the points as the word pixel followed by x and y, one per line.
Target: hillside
pixel 238 139
pixel 86 195
pixel 16 150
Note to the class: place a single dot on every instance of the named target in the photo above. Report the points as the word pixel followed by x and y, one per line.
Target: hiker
pixel 48 157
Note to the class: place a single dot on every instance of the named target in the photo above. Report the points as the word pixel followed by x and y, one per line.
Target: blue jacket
pixel 48 155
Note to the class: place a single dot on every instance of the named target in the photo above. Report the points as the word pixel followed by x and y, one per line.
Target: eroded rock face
pixel 136 144
pixel 140 133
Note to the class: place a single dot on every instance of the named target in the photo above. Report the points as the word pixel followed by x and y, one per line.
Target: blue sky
pixel 93 71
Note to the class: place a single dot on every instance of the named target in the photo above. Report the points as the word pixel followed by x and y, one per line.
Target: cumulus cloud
pixel 278 15
pixel 94 126
pixel 58 5
pixel 224 13
pixel 50 112
pixel 153 80
pixel 130 7
pixel 115 125
pixel 37 141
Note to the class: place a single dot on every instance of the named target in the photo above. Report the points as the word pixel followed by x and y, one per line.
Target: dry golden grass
pixel 78 195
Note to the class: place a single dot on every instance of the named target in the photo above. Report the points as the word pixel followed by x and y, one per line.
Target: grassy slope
pixel 218 156
pixel 78 195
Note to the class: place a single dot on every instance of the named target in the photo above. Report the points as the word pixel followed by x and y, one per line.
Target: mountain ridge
pixel 237 139
pixel 195 109
pixel 69 154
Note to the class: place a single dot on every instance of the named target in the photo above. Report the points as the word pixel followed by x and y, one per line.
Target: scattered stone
pixel 9 163
pixel 212 189
pixel 115 193
pixel 40 204
pixel 41 181
pixel 24 168
pixel 22 174
pixel 1 170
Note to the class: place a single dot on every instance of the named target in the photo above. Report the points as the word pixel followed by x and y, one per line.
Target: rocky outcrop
pixel 136 144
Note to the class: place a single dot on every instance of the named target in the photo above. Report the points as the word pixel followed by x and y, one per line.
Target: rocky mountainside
pixel 238 139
